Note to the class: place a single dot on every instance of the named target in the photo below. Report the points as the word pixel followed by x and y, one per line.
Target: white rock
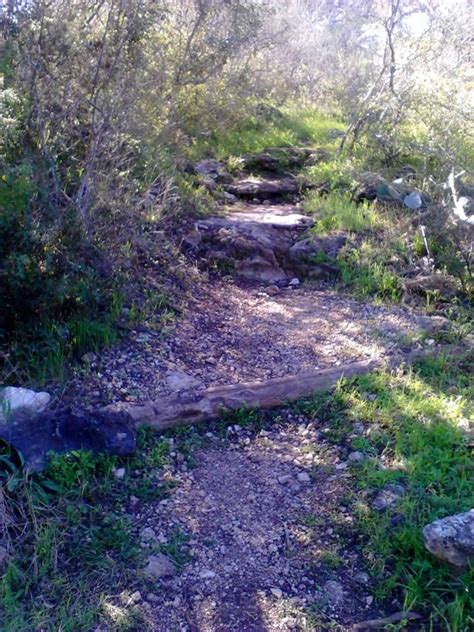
pixel 119 473
pixel 361 578
pixel 294 283
pixel 14 398
pixel 160 566
pixel 285 480
pixel 206 574
pixel 277 592
pixel 304 477
pixel 452 538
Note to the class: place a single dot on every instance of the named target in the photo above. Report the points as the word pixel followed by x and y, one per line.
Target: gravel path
pixel 239 332
pixel 266 535
pixel 261 522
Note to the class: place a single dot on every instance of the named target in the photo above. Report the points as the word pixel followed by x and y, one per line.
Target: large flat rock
pixel 264 188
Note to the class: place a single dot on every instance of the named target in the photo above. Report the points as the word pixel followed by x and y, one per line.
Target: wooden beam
pixel 190 407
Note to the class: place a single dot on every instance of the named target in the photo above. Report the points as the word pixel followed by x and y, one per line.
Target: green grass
pixel 337 211
pixel 294 126
pixel 418 417
pixel 73 546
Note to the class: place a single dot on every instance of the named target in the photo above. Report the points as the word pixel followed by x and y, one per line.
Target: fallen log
pixel 112 429
pixel 190 407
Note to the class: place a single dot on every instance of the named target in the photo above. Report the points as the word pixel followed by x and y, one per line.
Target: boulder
pixel 373 186
pixel 257 268
pixel 278 159
pixel 35 435
pixel 255 244
pixel 14 399
pixel 367 188
pixel 452 539
pixel 210 167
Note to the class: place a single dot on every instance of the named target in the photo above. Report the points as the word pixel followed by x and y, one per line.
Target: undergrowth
pixel 337 211
pixel 72 544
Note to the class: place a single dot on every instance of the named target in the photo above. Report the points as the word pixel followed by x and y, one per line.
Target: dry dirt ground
pixel 262 524
pixel 233 332
pixel 264 519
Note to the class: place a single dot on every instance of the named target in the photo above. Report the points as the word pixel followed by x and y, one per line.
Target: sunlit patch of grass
pixel 337 211
pixel 74 548
pixel 292 126
pixel 366 271
pixel 336 173
pixel 421 418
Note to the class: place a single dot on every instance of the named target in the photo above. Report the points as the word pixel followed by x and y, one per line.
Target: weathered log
pixel 190 407
pixel 112 429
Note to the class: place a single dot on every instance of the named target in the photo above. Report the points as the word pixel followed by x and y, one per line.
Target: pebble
pixel 361 578
pixel 119 473
pixel 160 566
pixel 304 477
pixel 356 456
pixel 147 535
pixel 206 574
pixel 152 598
pixel 285 480
pixel 389 496
pixel 334 592
pixel 277 592
pixel 272 290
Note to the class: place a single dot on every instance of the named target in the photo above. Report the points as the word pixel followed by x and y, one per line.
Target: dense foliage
pixel 102 105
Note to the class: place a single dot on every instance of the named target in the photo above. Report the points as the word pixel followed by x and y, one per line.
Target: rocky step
pixel 264 188
pixel 267 243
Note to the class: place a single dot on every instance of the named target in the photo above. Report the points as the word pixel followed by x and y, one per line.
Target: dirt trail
pixel 270 542
pixel 264 513
pixel 233 331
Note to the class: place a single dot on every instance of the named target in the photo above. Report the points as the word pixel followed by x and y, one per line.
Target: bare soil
pixel 264 515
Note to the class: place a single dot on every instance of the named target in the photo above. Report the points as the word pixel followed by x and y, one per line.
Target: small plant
pixel 366 271
pixel 234 164
pixel 337 211
pixel 177 547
